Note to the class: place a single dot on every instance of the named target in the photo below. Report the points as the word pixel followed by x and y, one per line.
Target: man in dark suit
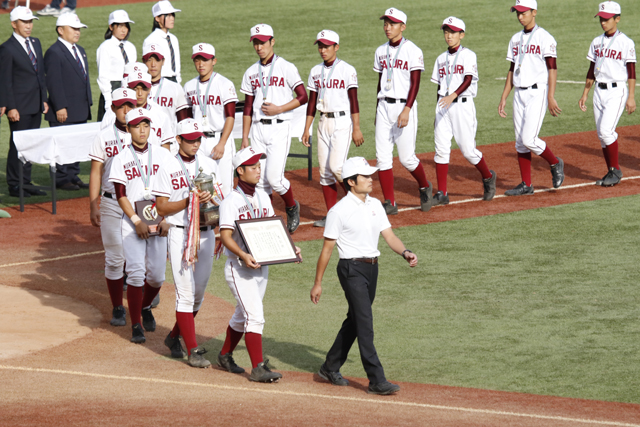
pixel 23 91
pixel 67 72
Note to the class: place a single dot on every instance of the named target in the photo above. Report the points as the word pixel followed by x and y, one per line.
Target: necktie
pixel 75 52
pixel 173 54
pixel 32 57
pixel 124 54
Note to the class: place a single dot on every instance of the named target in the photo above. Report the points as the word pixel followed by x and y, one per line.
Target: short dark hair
pixel 155 23
pixel 346 183
pixel 109 33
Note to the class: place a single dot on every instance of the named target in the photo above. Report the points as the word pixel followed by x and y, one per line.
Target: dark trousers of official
pixel 69 172
pixel 359 281
pixel 101 107
pixel 27 121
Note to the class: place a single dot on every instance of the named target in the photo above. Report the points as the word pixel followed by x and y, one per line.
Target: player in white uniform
pixel 247 279
pixel 174 190
pixel 399 63
pixel 268 103
pixel 212 98
pixel 130 68
pixel 333 88
pixel 533 72
pixel 133 173
pixel 164 18
pixel 107 214
pixel 456 74
pixel 612 57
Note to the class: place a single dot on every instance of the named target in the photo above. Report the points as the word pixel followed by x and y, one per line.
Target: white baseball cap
pixel 395 15
pixel 328 37
pixel 163 7
pixel 133 67
pixel 119 17
pixel 262 32
pixel 205 50
pixel 454 23
pixel 152 48
pixel 190 129
pixel 22 13
pixel 69 20
pixel 357 166
pixel 524 5
pixel 247 156
pixel 121 95
pixel 606 10
pixel 135 79
pixel 137 115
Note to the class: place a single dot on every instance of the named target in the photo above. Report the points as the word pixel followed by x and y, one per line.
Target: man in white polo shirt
pixel 355 224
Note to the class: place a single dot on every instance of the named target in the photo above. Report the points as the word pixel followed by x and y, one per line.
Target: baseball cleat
pixel 175 346
pixel 334 378
pixel 557 173
pixel 389 208
pixel 119 316
pixel 320 222
pixel 148 321
pixel 263 374
pixel 48 11
pixel 384 388
pixel 612 178
pixel 489 187
pixel 156 301
pixel 293 217
pixel 137 334
pixel 521 189
pixel 426 199
pixel 226 361
pixel 440 199
pixel 196 358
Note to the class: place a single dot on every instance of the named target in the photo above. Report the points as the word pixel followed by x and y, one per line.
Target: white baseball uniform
pixel 530 77
pixel 145 259
pixel 405 58
pixel 271 83
pixel 160 37
pixel 190 282
pixel 459 120
pixel 161 129
pixel 611 55
pixel 334 134
pixel 247 285
pixel 169 96
pixel 209 101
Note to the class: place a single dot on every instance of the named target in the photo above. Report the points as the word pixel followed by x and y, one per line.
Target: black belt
pixel 108 195
pixel 334 115
pixel 464 99
pixel 605 86
pixel 209 134
pixel 393 100
pixel 203 228
pixel 535 86
pixel 269 121
pixel 366 260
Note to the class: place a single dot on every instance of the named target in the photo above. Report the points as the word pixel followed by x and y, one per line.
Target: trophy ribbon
pixel 192 246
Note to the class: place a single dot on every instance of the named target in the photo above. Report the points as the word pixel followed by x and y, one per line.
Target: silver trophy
pixel 209 212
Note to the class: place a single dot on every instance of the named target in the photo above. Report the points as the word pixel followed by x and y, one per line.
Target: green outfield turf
pixel 296 23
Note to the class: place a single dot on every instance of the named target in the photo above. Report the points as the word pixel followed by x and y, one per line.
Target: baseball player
pixel 133 173
pixel 108 214
pixel 354 224
pixel 164 18
pixel 612 57
pixel 333 86
pixel 167 94
pixel 130 68
pixel 533 72
pixel 456 74
pixel 399 63
pixel 212 98
pixel 247 279
pixel 172 190
pixel 268 103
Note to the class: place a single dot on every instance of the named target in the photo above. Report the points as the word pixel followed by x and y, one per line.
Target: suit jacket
pixel 66 83
pixel 21 87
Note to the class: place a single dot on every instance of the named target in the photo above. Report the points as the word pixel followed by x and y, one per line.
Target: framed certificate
pixel 267 240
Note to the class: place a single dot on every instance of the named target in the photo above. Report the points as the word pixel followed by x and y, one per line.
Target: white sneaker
pixel 67 10
pixel 49 11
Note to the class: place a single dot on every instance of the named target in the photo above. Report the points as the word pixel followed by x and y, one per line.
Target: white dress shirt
pixel 111 64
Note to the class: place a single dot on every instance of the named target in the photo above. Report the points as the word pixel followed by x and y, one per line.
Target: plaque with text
pixel 147 212
pixel 268 240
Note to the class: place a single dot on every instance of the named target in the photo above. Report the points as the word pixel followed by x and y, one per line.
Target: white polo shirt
pixel 356 226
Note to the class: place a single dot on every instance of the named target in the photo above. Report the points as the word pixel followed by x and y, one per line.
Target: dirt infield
pixel 100 378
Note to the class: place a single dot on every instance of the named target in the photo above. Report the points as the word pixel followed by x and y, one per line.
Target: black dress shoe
pixel 81 184
pixel 14 191
pixel 34 191
pixel 69 187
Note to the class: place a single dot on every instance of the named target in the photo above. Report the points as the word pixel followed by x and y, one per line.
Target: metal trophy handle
pixel 209 212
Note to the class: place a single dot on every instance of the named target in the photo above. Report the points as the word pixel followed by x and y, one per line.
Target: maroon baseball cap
pixel 190 129
pixel 262 32
pixel 395 15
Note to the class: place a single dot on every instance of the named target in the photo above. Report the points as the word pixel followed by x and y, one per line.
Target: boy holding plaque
pixel 133 174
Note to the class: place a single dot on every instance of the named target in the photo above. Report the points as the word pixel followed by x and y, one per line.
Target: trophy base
pixel 210 216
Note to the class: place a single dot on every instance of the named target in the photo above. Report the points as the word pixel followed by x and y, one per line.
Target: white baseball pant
pixel 146 259
pixel 248 287
pixel 274 140
pixel 529 108
pixel 334 136
pixel 608 106
pixel 225 165
pixel 459 122
pixel 388 133
pixel 190 282
pixel 111 231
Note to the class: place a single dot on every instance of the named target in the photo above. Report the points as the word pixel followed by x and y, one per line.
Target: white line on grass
pixel 377 402
pixel 573 82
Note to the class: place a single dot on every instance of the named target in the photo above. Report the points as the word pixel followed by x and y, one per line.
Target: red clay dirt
pixel 103 379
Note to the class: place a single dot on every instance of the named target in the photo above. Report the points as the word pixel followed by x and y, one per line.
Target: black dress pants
pixel 69 172
pixel 27 121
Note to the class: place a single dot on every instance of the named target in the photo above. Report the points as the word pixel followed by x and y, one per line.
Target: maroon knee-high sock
pixel 483 169
pixel 149 294
pixel 115 291
pixel 187 329
pixel 289 201
pixel 442 169
pixel 330 193
pixel 134 299
pixel 386 182
pixel 254 347
pixel 547 154
pixel 420 176
pixel 231 341
pixel 176 328
pixel 613 155
pixel 524 161
pixel 605 152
